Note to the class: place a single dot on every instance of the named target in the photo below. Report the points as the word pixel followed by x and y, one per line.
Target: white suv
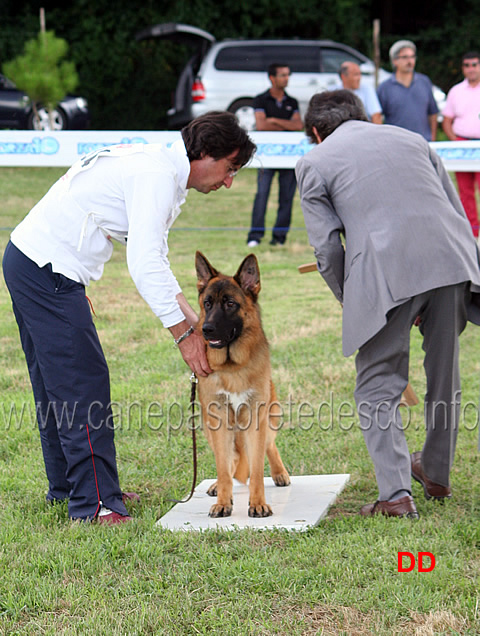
pixel 227 75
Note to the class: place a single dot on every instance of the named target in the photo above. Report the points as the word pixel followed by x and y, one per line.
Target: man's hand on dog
pixel 192 348
pixel 194 353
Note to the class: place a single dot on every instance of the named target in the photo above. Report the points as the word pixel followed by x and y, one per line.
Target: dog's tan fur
pixel 239 436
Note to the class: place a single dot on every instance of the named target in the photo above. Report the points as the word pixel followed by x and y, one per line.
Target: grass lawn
pixel 57 577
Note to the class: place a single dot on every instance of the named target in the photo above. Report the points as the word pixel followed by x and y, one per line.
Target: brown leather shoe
pixel 403 507
pixel 431 489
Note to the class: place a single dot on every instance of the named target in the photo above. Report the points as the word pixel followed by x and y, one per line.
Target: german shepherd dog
pixel 239 408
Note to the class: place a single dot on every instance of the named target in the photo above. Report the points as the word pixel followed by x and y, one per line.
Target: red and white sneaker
pixel 110 518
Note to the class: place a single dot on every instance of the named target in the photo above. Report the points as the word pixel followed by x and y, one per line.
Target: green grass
pixel 338 578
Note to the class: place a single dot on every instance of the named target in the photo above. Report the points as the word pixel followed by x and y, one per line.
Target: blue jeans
pixel 287 184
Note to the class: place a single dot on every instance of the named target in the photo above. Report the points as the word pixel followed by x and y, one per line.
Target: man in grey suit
pixel 409 258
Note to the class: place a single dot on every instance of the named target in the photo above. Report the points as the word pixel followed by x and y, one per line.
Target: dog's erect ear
pixel 248 276
pixel 205 272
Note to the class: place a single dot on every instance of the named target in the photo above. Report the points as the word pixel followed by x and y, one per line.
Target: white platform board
pixel 296 507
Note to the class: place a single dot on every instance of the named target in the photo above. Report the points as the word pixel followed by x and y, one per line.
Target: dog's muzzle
pixel 215 340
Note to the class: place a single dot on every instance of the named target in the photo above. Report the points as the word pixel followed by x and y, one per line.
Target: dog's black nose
pixel 208 329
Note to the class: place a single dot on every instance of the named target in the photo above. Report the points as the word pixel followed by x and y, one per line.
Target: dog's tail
pixel 241 471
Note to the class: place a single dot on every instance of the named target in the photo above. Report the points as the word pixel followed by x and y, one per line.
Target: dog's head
pixel 225 301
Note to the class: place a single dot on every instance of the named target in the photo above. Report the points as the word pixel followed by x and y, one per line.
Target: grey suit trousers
pixel 382 376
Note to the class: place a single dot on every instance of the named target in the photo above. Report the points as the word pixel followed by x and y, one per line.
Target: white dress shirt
pixel 128 190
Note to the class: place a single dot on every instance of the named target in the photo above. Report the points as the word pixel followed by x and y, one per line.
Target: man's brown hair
pixel 217 134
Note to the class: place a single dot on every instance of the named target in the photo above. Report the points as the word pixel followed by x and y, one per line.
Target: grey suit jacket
pixel 405 229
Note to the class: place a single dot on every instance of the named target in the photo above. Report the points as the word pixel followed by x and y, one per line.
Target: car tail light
pixel 198 91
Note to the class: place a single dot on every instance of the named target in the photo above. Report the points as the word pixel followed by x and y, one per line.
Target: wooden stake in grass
pixel 409 397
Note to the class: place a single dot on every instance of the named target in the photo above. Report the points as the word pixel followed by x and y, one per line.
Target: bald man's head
pixel 350 74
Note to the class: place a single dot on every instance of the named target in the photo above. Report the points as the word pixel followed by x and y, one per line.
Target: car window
pixel 300 59
pixel 332 59
pixel 240 58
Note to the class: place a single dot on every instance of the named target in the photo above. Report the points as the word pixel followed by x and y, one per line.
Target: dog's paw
pixel 212 491
pixel 259 510
pixel 220 510
pixel 282 479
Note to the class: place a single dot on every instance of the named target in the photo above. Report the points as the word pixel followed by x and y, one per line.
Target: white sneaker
pixel 253 244
pixel 104 511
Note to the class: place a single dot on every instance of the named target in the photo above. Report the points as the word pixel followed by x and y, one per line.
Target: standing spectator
pixel 351 76
pixel 461 120
pixel 274 110
pixel 406 97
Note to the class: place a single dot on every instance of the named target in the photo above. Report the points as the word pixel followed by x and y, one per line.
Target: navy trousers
pixel 286 191
pixel 71 385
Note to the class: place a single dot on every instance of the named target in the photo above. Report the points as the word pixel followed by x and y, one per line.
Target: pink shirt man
pixel 461 120
pixel 463 106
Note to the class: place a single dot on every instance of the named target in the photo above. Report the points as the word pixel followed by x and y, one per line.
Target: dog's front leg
pixel 255 442
pixel 222 443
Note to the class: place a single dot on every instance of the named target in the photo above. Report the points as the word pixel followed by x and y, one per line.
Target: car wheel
pixel 43 123
pixel 243 109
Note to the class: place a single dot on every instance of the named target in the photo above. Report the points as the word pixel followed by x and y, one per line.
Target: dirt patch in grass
pixel 334 620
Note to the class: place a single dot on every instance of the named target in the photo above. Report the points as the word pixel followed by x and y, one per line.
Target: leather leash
pixel 194 381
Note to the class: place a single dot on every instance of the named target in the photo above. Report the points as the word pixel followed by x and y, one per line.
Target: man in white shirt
pixel 351 76
pixel 62 244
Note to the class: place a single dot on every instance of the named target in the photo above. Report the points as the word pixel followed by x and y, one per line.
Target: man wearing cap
pixel 406 97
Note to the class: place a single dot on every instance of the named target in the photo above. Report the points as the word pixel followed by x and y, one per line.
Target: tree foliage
pixel 129 84
pixel 41 71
